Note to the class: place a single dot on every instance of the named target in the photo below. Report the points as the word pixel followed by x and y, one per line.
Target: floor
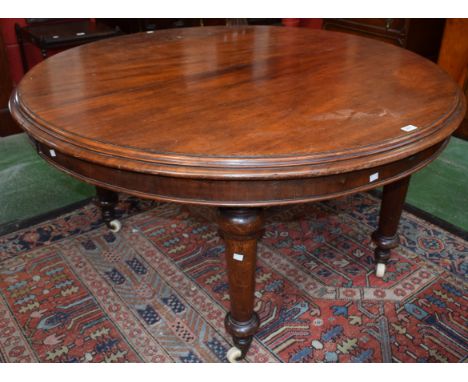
pixel 30 188
pixel 442 187
pixel 157 291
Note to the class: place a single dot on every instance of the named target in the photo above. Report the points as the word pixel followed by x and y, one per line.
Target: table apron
pixel 238 192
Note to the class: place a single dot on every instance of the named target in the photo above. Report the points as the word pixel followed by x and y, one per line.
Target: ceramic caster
pixel 115 225
pixel 234 355
pixel 380 270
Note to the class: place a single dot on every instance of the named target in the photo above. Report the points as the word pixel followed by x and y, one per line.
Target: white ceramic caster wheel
pixel 234 354
pixel 380 270
pixel 115 225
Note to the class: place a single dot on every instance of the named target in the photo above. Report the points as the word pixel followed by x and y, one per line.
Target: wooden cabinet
pixel 57 34
pixel 7 125
pixel 389 30
pixel 422 36
pixel 453 59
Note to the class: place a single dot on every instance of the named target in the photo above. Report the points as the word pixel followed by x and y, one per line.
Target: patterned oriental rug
pixel 72 291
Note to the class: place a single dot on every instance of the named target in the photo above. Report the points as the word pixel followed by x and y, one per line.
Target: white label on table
pixel 55 36
pixel 409 128
pixel 52 153
pixel 374 177
pixel 238 257
pixel 80 33
pixel 149 32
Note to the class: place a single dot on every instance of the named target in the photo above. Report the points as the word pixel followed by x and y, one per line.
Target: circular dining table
pixel 241 118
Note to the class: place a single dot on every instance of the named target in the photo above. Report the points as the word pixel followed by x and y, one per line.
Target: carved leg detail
pixel 107 200
pixel 385 237
pixel 241 228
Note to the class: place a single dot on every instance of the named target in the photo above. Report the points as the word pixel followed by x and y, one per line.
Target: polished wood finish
pixel 230 103
pixel 385 237
pixel 240 229
pixel 453 58
pixel 240 192
pixel 240 118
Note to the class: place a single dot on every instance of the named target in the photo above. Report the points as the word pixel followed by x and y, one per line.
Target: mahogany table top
pixel 238 102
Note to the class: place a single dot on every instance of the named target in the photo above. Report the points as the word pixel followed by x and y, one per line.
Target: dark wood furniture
pixel 7 125
pixel 241 118
pixel 151 24
pixel 453 58
pixel 422 36
pixel 145 24
pixel 53 34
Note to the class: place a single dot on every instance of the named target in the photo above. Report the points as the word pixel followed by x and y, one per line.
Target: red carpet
pixel 71 291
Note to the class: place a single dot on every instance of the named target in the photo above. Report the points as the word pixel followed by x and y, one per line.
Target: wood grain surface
pixel 238 102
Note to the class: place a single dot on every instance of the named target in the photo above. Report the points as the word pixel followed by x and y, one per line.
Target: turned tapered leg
pixel 385 237
pixel 107 200
pixel 241 228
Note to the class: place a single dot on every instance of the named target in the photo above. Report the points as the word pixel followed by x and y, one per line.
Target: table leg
pixel 241 228
pixel 385 237
pixel 107 200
